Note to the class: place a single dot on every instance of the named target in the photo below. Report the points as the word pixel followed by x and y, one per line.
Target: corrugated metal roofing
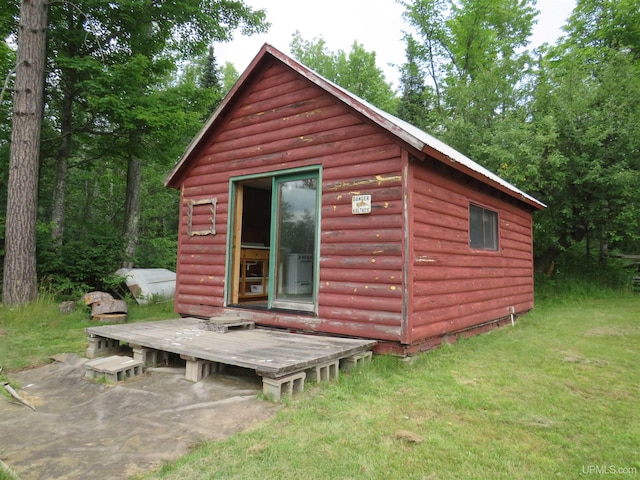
pixel 408 133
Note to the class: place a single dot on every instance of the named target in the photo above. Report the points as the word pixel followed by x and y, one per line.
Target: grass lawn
pixel 29 335
pixel 557 396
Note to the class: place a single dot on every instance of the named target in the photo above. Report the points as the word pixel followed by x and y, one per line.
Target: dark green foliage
pixel 564 128
pixel 472 53
pixel 210 77
pixel 574 275
pixel 356 72
pixel 120 92
pixel 81 264
pixel 417 101
pixel 588 98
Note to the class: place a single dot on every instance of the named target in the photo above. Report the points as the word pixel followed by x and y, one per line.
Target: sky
pixel 376 24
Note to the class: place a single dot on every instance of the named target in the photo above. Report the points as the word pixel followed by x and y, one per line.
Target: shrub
pixel 577 275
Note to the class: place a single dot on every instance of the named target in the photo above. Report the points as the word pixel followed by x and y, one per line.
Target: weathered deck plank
pixel 271 353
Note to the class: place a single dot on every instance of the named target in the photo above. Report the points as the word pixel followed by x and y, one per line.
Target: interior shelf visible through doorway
pixel 254 271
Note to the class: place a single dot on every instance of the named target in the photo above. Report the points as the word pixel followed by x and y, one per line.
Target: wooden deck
pixel 271 353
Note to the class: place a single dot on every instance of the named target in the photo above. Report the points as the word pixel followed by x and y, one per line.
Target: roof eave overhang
pixel 512 192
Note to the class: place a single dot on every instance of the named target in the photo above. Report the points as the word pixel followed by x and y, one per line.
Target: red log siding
pixel 369 285
pixel 456 287
pixel 282 122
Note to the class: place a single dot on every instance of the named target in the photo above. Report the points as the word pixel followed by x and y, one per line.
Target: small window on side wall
pixel 483 228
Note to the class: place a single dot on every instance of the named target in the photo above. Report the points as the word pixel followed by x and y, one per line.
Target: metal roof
pixel 406 132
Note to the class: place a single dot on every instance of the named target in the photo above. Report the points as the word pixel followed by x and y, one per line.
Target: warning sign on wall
pixel 360 204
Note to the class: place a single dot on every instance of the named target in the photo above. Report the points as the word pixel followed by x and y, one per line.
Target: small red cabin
pixel 304 207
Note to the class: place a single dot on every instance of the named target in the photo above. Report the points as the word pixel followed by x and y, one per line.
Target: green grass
pixel 30 334
pixel 549 398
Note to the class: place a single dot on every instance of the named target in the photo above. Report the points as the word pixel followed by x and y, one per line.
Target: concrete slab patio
pixel 83 429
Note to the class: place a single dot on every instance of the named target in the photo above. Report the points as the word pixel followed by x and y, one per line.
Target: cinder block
pixel 149 357
pixel 274 388
pixel 200 369
pixel 92 365
pixel 100 346
pixel 115 368
pixel 324 372
pixel 349 363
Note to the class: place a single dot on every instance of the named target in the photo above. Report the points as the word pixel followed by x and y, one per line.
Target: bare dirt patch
pixel 83 429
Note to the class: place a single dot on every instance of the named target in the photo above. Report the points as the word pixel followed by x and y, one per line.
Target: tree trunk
pixel 131 229
pixel 62 161
pixel 604 245
pixel 68 83
pixel 20 278
pixel 544 262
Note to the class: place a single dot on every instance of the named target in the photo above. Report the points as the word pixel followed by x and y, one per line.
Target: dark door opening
pixel 273 260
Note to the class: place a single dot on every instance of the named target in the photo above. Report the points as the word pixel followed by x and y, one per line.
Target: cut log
pixel 110 317
pixel 108 306
pixel 95 297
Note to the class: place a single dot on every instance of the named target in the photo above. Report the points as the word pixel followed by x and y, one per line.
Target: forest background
pixel 129 83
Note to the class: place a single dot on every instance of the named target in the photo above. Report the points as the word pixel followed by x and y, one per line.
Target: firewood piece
pixel 15 395
pixel 110 317
pixel 109 306
pixel 96 297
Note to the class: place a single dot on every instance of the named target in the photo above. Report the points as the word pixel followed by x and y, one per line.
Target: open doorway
pixel 273 260
pixel 252 231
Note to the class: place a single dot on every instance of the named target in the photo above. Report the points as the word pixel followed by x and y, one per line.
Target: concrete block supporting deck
pixel 274 388
pixel 115 368
pixel 325 372
pixel 150 357
pixel 198 369
pixel 100 346
pixel 349 363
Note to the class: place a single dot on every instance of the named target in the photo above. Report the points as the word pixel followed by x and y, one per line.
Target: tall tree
pixel 229 76
pixel 356 71
pixel 588 96
pixel 155 35
pixel 98 52
pixel 417 102
pixel 209 79
pixel 139 44
pixel 7 71
pixel 75 56
pixel 19 276
pixel 474 54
